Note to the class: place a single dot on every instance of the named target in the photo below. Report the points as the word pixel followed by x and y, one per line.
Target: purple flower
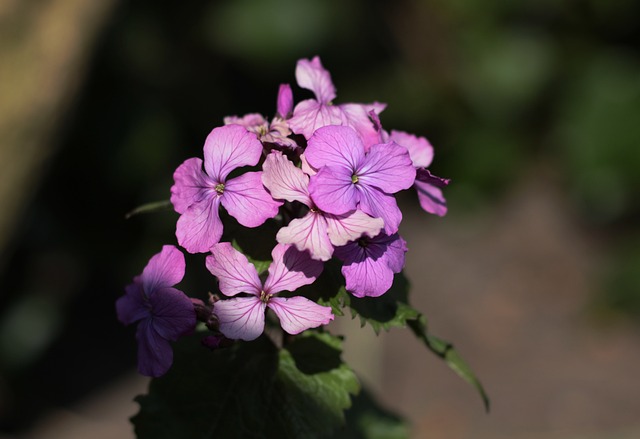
pixel 244 317
pixel 370 263
pixel 317 231
pixel 163 313
pixel 311 114
pixel 197 193
pixel 285 101
pixel 350 178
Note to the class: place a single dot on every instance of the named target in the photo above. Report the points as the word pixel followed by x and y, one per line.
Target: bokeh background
pixel 533 108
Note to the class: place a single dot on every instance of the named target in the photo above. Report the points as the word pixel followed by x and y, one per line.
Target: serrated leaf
pixel 156 206
pixel 250 390
pixel 446 351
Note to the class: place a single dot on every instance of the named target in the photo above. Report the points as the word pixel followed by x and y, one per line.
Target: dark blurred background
pixel 533 108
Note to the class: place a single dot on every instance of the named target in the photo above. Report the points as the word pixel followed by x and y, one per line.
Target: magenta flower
pixel 244 317
pixel 317 231
pixel 163 313
pixel 311 114
pixel 197 193
pixel 370 263
pixel 350 178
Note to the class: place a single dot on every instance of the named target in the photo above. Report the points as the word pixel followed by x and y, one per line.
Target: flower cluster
pixel 327 174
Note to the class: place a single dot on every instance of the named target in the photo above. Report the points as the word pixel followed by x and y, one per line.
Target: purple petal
pixel 285 100
pixel 309 115
pixel 191 185
pixel 284 180
pixel 200 226
pixel 164 269
pixel 365 270
pixel 290 269
pixel 351 226
pixel 246 199
pixel 306 167
pixel 335 146
pixel 228 148
pixel 308 233
pixel 426 176
pixel 419 148
pixel 333 190
pixel 241 317
pixel 387 167
pixel 155 355
pixel 234 271
pixel 313 76
pixel 253 122
pixel 357 117
pixel 173 313
pixel 133 305
pixel 298 314
pixel 380 205
pixel 431 198
pixel 395 248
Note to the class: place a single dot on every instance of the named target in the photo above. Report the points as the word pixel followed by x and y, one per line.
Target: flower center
pixel 363 242
pixel 264 296
pixel 354 179
pixel 220 188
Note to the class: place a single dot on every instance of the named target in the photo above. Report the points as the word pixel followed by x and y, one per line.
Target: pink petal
pixel 419 148
pixel 200 226
pixel 284 180
pixel 380 205
pixel 351 226
pixel 387 167
pixel 246 199
pixel 241 317
pixel 368 276
pixel 312 76
pixel 431 198
pixel 298 314
pixel 164 269
pixel 310 115
pixel 308 233
pixel 285 100
pixel 234 271
pixel 252 122
pixel 357 117
pixel 306 167
pixel 228 148
pixel 333 191
pixel 290 269
pixel 335 146
pixel 191 185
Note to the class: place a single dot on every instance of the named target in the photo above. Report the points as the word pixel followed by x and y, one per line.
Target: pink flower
pixel 317 231
pixel 197 194
pixel 244 317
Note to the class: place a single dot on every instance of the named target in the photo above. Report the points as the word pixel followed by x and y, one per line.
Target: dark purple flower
pixel 163 313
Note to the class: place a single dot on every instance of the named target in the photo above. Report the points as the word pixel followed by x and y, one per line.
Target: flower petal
pixel 380 205
pixel 173 313
pixel 333 190
pixel 366 272
pixel 309 115
pixel 241 317
pixel 234 271
pixel 311 75
pixel 164 269
pixel 431 198
pixel 200 226
pixel 290 269
pixel 308 233
pixel 229 147
pixel 246 199
pixel 285 100
pixel 357 117
pixel 155 355
pixel 387 167
pixel 284 180
pixel 132 306
pixel 191 185
pixel 335 146
pixel 298 314
pixel 351 226
pixel 419 148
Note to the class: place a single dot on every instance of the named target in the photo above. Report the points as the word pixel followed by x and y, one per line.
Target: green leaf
pixel 250 390
pixel 445 350
pixel 156 206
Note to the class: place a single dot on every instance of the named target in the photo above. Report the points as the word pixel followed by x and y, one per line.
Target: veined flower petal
pixel 164 269
pixel 230 147
pixel 310 74
pixel 431 198
pixel 338 146
pixel 298 314
pixel 381 205
pixel 234 271
pixel 387 167
pixel 200 227
pixel 155 355
pixel 309 115
pixel 351 226
pixel 191 185
pixel 241 317
pixel 290 269
pixel 246 199
pixel 308 233
pixel 333 191
pixel 284 180
pixel 173 314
